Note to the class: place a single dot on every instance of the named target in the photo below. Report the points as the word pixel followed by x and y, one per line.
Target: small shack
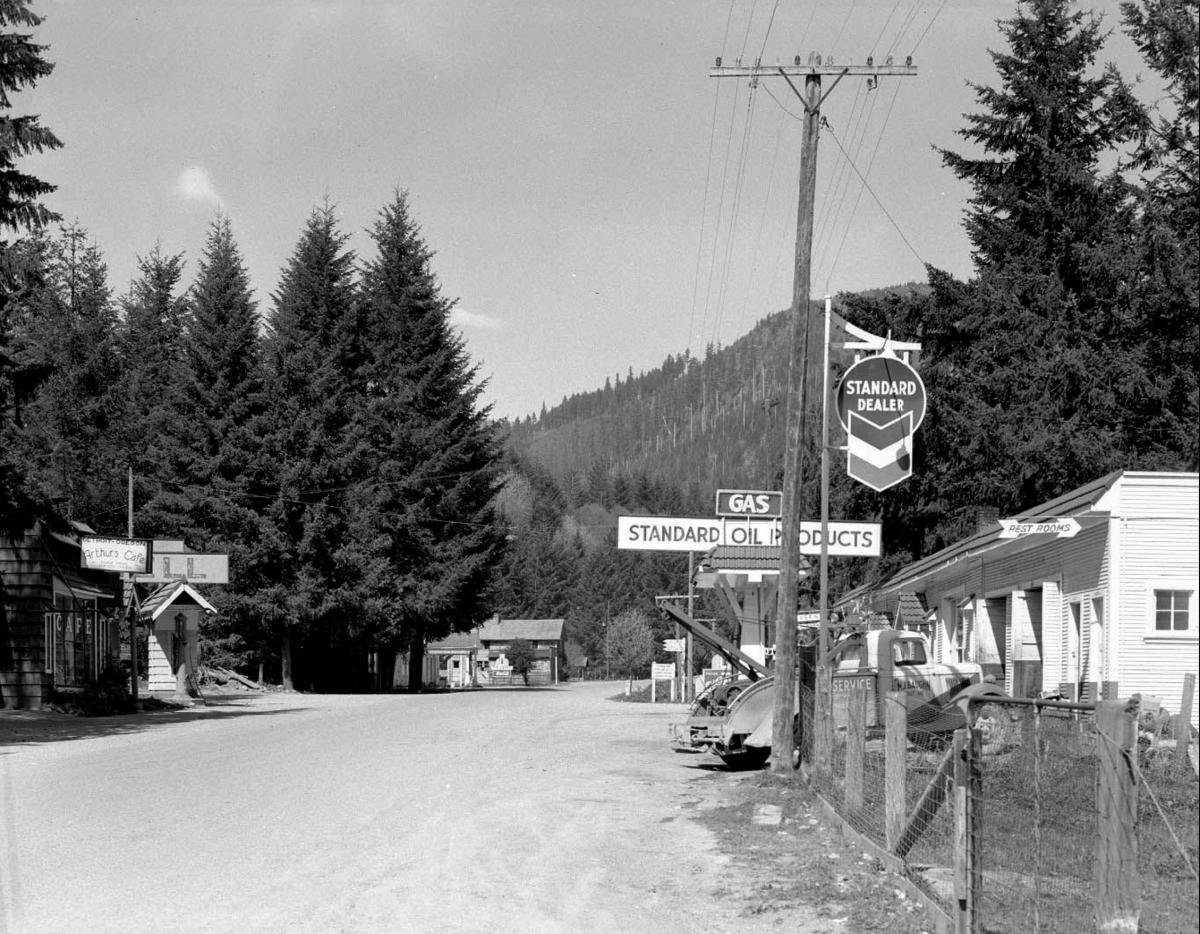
pixel 173 613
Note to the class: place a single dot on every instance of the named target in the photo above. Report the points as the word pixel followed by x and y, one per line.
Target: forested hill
pixel 696 424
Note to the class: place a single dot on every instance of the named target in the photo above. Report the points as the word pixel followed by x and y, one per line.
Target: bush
pixel 106 696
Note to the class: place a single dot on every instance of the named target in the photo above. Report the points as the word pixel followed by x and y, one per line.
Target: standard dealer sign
pixel 666 533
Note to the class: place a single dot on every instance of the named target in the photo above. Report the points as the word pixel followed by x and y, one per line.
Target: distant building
pixel 478 658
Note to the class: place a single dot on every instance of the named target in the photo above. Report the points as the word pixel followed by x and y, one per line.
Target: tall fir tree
pixel 152 377
pixel 430 515
pixel 22 65
pixel 312 357
pixel 1164 297
pixel 222 418
pixel 1030 384
pixel 67 441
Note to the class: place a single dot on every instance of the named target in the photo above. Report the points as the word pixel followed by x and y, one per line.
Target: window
pixel 908 652
pixel 1172 610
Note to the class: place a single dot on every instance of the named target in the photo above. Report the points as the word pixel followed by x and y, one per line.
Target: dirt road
pixel 500 810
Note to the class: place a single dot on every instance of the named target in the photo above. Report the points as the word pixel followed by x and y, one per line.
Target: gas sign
pixel 756 504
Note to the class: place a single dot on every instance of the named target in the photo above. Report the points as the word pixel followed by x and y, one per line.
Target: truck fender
pixel 974 692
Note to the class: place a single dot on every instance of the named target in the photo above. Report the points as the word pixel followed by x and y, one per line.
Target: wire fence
pixel 1036 821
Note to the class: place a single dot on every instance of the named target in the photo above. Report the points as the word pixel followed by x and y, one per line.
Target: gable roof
pixel 1086 500
pixel 535 630
pixel 169 594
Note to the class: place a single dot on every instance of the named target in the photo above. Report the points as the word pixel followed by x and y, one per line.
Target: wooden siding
pixel 1159 544
pixel 28 588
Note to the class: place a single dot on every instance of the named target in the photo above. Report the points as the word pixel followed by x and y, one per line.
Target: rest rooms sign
pixel 664 533
pixel 128 555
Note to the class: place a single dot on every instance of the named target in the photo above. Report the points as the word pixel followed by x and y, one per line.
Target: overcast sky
pixel 596 201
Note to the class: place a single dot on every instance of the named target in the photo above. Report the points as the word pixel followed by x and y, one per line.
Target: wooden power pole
pixel 800 365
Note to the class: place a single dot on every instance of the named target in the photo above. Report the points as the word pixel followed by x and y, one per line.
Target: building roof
pixel 1082 501
pixel 169 594
pixel 500 630
pixel 535 630
pixel 739 564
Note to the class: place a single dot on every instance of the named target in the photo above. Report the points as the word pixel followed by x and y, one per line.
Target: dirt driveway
pixel 500 810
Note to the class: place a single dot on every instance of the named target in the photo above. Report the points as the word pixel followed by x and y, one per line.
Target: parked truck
pixel 734 720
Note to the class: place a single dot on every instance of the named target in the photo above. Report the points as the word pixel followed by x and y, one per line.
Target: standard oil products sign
pixel 126 555
pixel 668 533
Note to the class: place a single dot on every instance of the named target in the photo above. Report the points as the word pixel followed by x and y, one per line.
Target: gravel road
pixel 550 809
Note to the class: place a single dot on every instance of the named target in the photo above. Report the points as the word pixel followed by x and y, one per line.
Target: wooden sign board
pixel 195 569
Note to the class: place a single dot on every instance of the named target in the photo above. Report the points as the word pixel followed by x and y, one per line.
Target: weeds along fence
pixel 1046 817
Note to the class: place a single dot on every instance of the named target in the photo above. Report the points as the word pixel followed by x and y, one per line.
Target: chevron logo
pixel 879 456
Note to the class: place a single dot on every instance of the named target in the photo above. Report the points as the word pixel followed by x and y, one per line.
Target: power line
pixel 871 191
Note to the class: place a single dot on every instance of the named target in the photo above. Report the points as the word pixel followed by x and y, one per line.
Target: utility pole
pixel 799 368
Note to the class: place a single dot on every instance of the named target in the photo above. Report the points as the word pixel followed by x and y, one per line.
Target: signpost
pixel 880 403
pixel 195 569
pixel 127 555
pixel 661 671
pixel 1021 528
pixel 759 504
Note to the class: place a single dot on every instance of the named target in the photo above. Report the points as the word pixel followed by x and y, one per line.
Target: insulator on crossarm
pixel 908 61
pixel 718 61
pixel 870 60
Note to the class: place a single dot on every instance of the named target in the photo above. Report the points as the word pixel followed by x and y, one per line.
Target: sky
pixel 594 199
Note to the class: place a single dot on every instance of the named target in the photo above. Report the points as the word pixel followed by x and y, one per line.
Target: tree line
pixel 333 444
pixel 1071 351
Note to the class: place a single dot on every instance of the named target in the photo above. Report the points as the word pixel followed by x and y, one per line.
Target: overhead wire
pixel 882 207
pixel 858 200
pixel 928 26
pixel 707 190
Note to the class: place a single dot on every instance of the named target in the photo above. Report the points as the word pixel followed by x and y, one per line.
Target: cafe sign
pixel 125 555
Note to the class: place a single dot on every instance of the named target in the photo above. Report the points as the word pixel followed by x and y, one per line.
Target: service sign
pixel 127 555
pixel 757 504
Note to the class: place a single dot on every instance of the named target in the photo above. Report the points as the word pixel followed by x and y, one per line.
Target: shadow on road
pixel 35 727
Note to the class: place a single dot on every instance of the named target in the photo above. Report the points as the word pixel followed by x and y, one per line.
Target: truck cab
pixel 881 660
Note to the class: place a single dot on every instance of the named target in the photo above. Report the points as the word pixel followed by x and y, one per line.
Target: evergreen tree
pixel 152 378
pixel 311 360
pixel 71 336
pixel 1029 383
pixel 22 65
pixel 223 416
pixel 1164 296
pixel 428 522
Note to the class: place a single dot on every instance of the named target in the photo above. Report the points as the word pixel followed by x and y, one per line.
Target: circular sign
pixel 880 390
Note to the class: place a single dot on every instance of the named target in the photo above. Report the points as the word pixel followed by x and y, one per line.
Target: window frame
pixel 1171 585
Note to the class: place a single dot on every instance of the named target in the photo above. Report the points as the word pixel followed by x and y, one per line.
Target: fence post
pixel 895 750
pixel 1183 723
pixel 856 749
pixel 823 720
pixel 968 812
pixel 1118 901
